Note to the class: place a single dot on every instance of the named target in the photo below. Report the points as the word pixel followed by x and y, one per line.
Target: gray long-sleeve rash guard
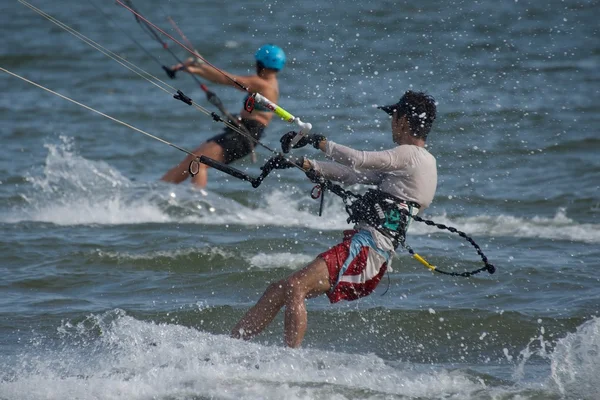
pixel 407 172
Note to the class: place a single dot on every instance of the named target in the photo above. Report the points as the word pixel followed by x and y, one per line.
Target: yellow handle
pixel 286 116
pixel 423 261
pixel 283 114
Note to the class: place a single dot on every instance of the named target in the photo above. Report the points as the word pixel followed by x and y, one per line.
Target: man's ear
pixel 403 123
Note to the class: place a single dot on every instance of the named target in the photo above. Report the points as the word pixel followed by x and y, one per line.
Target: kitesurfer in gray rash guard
pixel 407 172
pixel 405 177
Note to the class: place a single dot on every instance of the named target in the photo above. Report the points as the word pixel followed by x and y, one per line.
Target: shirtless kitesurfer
pixel 405 177
pixel 231 145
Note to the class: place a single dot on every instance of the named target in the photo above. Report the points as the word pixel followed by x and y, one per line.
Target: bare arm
pixel 252 82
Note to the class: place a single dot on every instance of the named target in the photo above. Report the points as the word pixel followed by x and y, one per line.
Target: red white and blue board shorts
pixel 355 266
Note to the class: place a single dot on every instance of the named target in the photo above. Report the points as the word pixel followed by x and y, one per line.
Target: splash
pixel 537 347
pixel 115 356
pixel 576 362
pixel 72 190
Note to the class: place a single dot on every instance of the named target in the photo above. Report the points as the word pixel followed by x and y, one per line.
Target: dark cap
pixel 418 107
pixel 402 105
pixel 391 108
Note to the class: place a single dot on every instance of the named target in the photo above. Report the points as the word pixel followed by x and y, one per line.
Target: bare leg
pixel 310 281
pixel 180 172
pixel 262 313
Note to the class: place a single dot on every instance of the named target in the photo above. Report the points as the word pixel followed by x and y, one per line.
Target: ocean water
pixel 117 286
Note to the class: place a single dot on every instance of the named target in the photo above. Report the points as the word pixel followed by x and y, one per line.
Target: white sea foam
pixel 132 359
pixel 281 208
pixel 279 260
pixel 209 252
pixel 559 227
pixel 113 211
pixel 260 260
pixel 115 356
pixel 76 191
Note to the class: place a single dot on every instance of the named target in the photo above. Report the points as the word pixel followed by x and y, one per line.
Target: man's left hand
pixel 190 62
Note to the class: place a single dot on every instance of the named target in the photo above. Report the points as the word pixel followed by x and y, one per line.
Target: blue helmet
pixel 270 56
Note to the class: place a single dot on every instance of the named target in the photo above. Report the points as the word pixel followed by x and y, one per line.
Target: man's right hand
pixel 313 138
pixel 280 162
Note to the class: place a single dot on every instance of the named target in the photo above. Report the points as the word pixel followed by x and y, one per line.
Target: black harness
pixel 386 213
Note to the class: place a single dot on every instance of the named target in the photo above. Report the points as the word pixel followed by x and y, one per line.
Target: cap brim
pixel 389 109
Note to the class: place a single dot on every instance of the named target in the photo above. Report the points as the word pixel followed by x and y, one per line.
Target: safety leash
pixel 487 266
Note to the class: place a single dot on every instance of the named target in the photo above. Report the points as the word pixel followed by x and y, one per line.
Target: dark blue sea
pixel 114 285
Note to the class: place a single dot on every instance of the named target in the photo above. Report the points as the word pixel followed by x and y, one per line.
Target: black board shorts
pixel 234 144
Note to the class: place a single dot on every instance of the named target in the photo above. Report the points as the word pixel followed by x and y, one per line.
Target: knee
pixel 199 174
pixel 294 289
pixel 283 288
pixel 200 166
